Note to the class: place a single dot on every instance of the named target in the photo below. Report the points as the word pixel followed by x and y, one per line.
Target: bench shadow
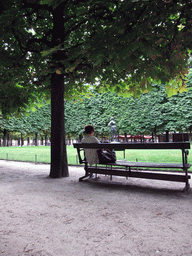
pixel 129 186
pixel 145 188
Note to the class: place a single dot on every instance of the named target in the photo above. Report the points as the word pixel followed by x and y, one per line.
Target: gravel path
pixel 40 216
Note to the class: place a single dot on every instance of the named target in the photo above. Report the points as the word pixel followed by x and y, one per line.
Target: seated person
pixel 90 153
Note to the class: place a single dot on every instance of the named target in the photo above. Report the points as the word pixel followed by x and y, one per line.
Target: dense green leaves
pixel 38 121
pixel 124 44
pixel 152 112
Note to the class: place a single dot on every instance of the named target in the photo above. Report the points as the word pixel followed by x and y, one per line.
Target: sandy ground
pixel 40 216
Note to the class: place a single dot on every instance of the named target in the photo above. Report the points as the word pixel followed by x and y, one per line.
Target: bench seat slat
pixel 136 174
pixel 149 165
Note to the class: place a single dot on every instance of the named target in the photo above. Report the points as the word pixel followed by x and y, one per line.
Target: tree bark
pixel 59 165
pixel 46 143
pixel 36 139
pixel 4 137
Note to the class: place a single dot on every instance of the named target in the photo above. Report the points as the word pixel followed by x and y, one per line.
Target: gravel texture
pixel 40 216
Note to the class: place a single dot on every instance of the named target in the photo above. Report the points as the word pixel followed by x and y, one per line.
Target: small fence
pixel 36 158
pixel 38 154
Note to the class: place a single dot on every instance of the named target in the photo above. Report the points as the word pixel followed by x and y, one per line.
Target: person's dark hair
pixel 89 129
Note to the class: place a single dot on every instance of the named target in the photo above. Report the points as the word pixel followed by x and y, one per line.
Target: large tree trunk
pixel 59 165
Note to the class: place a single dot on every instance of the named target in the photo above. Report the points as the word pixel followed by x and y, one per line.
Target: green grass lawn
pixel 41 154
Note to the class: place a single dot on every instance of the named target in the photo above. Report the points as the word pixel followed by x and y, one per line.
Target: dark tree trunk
pixel 22 141
pixel 59 165
pixel 4 137
pixel 167 136
pixel 36 139
pixel 46 140
pixel 7 139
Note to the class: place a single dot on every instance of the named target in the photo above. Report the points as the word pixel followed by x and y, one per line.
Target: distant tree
pixel 152 112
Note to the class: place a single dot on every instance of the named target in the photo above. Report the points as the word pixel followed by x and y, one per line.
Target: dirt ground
pixel 40 216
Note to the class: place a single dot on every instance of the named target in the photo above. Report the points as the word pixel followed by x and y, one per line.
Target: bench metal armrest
pixel 81 161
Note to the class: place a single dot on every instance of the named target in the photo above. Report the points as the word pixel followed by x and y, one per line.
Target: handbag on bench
pixel 106 156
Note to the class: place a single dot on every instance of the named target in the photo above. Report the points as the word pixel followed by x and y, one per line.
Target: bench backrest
pixel 123 146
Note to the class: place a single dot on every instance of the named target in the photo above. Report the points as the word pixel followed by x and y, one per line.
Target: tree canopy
pixel 124 44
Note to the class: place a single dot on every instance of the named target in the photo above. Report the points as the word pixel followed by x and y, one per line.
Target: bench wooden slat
pixel 137 174
pixel 149 165
pixel 135 145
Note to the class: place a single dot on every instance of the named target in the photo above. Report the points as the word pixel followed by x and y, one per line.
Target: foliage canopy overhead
pixel 115 45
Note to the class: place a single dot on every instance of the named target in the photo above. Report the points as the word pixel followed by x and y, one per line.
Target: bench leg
pixel 87 174
pixel 184 160
pixel 111 177
pixel 126 171
pixel 187 186
pixel 82 178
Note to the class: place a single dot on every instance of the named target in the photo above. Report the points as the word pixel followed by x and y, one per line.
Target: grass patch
pixel 41 154
pixel 26 154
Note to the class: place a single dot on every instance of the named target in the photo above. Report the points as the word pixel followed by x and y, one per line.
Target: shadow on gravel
pixel 143 188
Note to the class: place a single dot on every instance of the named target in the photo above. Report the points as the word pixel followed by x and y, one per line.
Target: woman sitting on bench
pixel 95 156
pixel 90 153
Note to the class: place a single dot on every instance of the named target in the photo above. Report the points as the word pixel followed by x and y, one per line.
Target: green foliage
pixel 150 112
pixel 92 42
pixel 38 121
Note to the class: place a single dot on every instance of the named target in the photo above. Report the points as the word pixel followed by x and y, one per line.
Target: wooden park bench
pixel 157 171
